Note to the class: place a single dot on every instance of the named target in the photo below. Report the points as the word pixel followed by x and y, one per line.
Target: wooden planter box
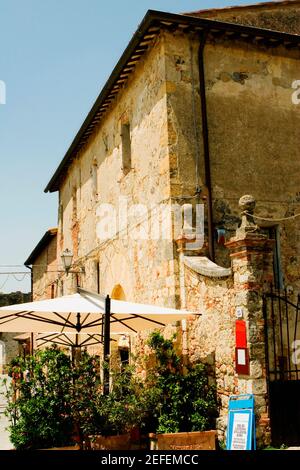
pixel 121 442
pixel 199 440
pixel 76 447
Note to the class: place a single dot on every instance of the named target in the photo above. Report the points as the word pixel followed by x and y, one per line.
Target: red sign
pixel 240 334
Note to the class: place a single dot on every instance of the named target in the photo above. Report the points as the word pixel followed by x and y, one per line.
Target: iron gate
pixel 282 340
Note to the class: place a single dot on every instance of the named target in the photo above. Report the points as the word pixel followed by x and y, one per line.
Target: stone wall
pixel 9 349
pixel 145 268
pixel 45 272
pixel 253 139
pixel 280 16
pixel 217 295
pixel 211 338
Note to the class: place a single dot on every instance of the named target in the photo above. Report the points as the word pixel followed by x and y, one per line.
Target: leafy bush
pixel 52 399
pixel 48 398
pixel 187 401
pixel 172 398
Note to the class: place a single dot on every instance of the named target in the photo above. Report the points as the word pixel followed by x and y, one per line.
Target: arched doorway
pixel 124 340
pixel 118 293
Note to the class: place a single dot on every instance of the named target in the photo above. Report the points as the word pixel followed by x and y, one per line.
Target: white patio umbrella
pixel 84 312
pixel 90 313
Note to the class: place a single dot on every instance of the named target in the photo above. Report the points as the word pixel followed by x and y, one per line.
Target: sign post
pixel 241 433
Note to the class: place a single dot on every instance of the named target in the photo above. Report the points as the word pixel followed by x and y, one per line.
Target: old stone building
pixel 197 112
pixel 44 267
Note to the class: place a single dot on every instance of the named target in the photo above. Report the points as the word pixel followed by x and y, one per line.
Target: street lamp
pixel 67 257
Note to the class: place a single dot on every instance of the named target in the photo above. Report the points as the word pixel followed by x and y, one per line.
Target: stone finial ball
pixel 247 203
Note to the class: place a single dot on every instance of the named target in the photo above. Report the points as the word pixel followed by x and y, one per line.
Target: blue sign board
pixel 241 423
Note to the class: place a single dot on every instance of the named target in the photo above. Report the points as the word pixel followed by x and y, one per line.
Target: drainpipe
pixel 211 248
pixel 31 300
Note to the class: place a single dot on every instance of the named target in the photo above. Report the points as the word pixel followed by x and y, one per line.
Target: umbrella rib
pixel 43 320
pixel 87 340
pixel 8 318
pixel 87 316
pixel 33 316
pixel 46 336
pixel 66 320
pixel 93 323
pixel 122 322
pixel 67 339
pixel 60 342
pixel 42 342
pixel 147 319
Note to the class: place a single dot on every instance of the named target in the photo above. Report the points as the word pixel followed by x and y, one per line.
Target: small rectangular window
pixel 74 200
pixel 94 175
pixel 126 148
pixel 124 357
pixel 61 217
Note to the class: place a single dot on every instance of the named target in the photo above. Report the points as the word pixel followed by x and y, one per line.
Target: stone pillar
pixel 252 266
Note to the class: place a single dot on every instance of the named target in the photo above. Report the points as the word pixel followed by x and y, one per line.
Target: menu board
pixel 241 433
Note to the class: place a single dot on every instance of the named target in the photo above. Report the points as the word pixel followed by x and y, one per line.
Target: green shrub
pixel 187 400
pixel 49 397
pixel 172 398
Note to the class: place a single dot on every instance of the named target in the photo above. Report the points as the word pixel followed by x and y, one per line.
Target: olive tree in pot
pixel 50 397
pixel 176 404
pixel 185 406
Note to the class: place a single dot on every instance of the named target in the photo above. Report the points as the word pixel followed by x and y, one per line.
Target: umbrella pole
pixel 106 344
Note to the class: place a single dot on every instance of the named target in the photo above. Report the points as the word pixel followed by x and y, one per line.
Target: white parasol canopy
pixel 84 312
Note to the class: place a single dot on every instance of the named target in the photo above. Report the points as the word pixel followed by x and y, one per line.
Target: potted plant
pixel 183 403
pixel 174 404
pixel 49 398
pixel 121 414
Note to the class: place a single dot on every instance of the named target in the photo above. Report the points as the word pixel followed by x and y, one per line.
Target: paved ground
pixel 4 438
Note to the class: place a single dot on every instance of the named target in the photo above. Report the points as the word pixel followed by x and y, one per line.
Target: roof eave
pixel 44 241
pixel 149 20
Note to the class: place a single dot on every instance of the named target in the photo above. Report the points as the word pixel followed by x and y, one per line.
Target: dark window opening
pixel 126 148
pixel 98 277
pixel 61 218
pixel 74 200
pixel 124 357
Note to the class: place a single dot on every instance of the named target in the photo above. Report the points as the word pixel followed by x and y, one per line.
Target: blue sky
pixel 55 56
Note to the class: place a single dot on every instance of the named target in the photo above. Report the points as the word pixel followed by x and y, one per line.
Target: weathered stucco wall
pixel 211 338
pixel 281 17
pixel 253 139
pixel 9 349
pixel 45 273
pixel 144 267
pixel 254 143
